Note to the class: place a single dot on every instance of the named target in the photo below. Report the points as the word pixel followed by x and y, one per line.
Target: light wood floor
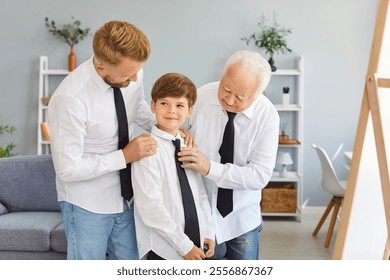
pixel 287 239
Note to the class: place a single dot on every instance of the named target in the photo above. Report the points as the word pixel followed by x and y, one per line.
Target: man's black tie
pixel 123 139
pixel 191 226
pixel 226 151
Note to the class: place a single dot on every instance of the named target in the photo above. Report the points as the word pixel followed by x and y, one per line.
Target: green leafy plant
pixel 271 37
pixel 69 33
pixel 7 150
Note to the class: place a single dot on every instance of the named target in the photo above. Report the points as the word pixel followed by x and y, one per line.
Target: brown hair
pixel 117 39
pixel 174 85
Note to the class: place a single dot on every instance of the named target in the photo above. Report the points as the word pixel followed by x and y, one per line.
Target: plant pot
pixel 72 61
pixel 286 99
pixel 272 64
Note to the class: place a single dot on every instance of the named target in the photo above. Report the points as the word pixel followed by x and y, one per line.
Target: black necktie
pixel 226 151
pixel 191 226
pixel 123 139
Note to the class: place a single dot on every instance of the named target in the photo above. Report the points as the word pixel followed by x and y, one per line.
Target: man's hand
pixel 195 159
pixel 189 141
pixel 195 254
pixel 140 147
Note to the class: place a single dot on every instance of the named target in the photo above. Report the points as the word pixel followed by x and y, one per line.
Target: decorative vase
pixel 272 64
pixel 283 138
pixel 72 61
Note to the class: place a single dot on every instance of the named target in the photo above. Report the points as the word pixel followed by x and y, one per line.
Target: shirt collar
pixel 248 112
pixel 165 135
pixel 95 76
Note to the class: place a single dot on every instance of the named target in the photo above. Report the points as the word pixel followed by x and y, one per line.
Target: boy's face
pixel 171 112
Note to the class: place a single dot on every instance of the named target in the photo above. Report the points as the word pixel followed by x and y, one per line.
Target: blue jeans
pixel 243 247
pixel 91 236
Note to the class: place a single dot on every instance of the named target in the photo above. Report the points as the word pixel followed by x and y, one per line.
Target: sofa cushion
pixel 28 255
pixel 58 239
pixel 3 210
pixel 28 183
pixel 27 231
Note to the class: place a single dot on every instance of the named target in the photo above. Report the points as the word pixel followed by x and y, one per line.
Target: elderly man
pixel 236 128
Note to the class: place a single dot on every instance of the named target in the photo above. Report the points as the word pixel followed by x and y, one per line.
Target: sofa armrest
pixel 3 210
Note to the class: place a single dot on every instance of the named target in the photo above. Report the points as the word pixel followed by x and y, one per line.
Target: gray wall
pixel 195 38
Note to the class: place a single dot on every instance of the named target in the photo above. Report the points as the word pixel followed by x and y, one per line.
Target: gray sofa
pixel 30 219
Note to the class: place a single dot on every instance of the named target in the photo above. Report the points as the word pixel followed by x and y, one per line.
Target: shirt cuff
pixel 184 245
pixel 216 170
pixel 116 159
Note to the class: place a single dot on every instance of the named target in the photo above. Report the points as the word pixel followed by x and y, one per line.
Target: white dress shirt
pixel 158 206
pixel 255 147
pixel 84 138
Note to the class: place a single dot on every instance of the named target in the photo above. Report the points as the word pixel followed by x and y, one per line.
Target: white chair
pixel 331 184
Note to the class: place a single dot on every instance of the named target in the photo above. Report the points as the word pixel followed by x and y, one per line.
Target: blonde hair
pixel 117 39
pixel 174 85
pixel 254 63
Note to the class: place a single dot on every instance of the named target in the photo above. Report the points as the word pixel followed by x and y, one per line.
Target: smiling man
pixel 236 128
pixel 91 115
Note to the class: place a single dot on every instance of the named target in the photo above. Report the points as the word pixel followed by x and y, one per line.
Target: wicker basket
pixel 279 198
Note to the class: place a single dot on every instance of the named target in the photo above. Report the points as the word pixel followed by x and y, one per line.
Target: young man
pixel 103 94
pixel 237 129
pixel 171 222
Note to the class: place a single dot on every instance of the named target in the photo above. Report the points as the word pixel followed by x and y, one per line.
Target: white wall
pixel 195 38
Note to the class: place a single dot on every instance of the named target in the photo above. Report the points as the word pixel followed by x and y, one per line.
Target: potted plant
pixel 7 150
pixel 271 38
pixel 69 33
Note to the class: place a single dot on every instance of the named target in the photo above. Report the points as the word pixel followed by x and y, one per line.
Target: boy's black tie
pixel 123 139
pixel 226 151
pixel 191 226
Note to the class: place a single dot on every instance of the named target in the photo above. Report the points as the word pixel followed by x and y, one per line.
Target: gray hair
pixel 254 63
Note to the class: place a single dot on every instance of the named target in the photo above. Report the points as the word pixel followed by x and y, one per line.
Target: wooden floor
pixel 288 239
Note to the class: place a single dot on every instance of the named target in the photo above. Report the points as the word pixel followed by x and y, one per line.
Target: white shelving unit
pixel 45 75
pixel 292 115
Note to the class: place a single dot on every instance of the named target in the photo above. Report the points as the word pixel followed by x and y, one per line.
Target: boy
pixel 160 207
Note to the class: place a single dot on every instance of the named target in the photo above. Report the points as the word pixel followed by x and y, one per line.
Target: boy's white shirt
pixel 159 214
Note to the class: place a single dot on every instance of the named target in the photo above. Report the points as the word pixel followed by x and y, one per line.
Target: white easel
pixel 364 228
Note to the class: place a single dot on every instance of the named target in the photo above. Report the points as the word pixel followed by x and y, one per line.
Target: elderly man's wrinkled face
pixel 237 89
